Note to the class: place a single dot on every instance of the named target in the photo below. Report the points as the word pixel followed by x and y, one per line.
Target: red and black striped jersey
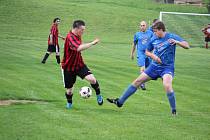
pixel 54 33
pixel 72 59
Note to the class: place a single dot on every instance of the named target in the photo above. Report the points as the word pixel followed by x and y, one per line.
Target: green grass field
pixel 24 31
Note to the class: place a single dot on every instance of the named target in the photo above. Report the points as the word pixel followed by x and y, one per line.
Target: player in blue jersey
pixel 141 40
pixel 161 49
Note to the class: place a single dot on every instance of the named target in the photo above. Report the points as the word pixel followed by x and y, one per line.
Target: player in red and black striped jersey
pixel 73 64
pixel 53 45
pixel 206 32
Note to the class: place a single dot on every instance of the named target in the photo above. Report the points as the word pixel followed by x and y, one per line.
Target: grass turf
pixel 146 115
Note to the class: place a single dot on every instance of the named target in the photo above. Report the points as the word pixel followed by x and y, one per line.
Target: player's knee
pixel 69 91
pixel 168 87
pixel 91 79
pixel 137 82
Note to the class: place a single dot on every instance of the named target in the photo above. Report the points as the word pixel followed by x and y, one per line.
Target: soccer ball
pixel 85 92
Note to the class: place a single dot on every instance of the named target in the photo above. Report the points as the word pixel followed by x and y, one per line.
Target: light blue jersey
pixel 150 29
pixel 164 50
pixel 142 39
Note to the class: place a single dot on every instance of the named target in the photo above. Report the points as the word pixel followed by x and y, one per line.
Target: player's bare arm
pixel 153 56
pixel 183 44
pixel 51 39
pixel 60 36
pixel 133 50
pixel 87 45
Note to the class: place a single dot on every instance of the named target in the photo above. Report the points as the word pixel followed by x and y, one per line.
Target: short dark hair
pixel 78 23
pixel 159 25
pixel 154 20
pixel 55 19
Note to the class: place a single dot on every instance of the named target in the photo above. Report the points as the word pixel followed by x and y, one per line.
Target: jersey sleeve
pixel 150 46
pixel 150 29
pixel 53 30
pixel 178 38
pixel 135 39
pixel 73 43
pixel 151 34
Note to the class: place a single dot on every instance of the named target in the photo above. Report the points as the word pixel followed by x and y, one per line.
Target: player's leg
pixel 148 74
pixel 142 86
pixel 85 73
pixel 69 80
pixel 141 64
pixel 130 90
pixel 167 83
pixel 69 96
pixel 49 51
pixel 58 54
pixel 47 54
pixel 206 42
pixel 95 85
pixel 206 45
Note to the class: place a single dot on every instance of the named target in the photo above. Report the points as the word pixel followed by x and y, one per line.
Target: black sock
pixel 69 97
pixel 45 57
pixel 58 59
pixel 96 88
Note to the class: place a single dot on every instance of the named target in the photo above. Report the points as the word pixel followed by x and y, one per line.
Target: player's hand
pixel 157 59
pixel 63 38
pixel 95 41
pixel 173 41
pixel 61 65
pixel 51 43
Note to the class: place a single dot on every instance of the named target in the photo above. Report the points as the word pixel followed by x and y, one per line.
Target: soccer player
pixel 73 64
pixel 53 45
pixel 206 32
pixel 140 43
pixel 161 49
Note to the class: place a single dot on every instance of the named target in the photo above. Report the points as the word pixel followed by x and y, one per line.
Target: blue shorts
pixel 143 61
pixel 156 72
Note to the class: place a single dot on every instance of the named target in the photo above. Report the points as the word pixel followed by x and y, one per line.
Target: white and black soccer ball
pixel 85 92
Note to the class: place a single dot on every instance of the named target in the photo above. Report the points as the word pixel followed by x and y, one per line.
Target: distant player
pixel 141 40
pixel 73 64
pixel 206 32
pixel 163 46
pixel 53 45
pixel 153 22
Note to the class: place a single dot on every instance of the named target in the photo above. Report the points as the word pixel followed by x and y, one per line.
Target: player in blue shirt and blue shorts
pixel 141 40
pixel 161 49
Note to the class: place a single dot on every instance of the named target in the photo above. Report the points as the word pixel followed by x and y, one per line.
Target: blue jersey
pixel 150 29
pixel 142 39
pixel 163 49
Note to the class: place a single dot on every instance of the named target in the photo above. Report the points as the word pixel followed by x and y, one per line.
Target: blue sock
pixel 128 92
pixel 172 100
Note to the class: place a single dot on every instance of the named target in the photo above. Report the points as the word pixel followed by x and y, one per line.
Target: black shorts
pixel 53 48
pixel 69 77
pixel 207 39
